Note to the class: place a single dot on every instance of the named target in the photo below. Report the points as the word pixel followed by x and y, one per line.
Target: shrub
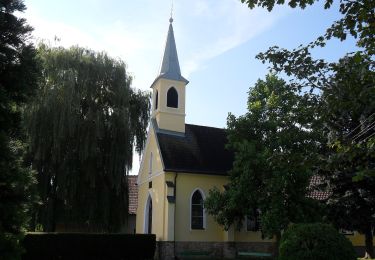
pixel 315 241
pixel 63 246
pixel 9 246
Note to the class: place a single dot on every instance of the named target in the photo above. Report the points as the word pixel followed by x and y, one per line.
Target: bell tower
pixel 168 95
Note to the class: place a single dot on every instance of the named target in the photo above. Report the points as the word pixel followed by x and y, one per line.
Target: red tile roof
pixel 315 191
pixel 133 194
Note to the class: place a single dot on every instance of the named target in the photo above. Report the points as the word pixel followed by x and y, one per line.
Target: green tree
pixel 275 146
pixel 358 20
pixel 349 164
pixel 18 78
pixel 83 126
pixel 347 89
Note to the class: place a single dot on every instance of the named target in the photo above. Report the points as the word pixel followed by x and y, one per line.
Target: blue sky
pixel 217 41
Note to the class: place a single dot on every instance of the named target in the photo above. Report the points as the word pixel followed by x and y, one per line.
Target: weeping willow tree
pixel 83 126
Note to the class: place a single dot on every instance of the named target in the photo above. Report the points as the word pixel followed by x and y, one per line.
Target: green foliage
pixel 348 165
pixel 82 127
pixel 18 78
pixel 275 147
pixel 357 20
pixel 9 246
pixel 66 246
pixel 348 109
pixel 349 98
pixel 314 242
pixel 17 196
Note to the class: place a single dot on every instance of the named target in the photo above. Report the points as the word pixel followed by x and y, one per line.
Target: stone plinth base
pixel 178 250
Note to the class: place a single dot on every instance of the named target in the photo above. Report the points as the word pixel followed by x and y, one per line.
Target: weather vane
pixel 171 19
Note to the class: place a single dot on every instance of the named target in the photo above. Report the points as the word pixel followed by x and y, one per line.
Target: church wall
pixel 186 185
pixel 162 86
pixel 173 122
pixel 169 210
pixel 213 232
pixel 357 239
pixel 142 197
pixel 168 117
pixel 157 195
pixel 156 191
pixel 157 166
pixel 249 236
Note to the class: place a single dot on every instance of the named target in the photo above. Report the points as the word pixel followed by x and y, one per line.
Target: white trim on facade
pixel 204 211
pixel 152 176
pixel 158 153
pixel 150 164
pixel 143 155
pixel 145 215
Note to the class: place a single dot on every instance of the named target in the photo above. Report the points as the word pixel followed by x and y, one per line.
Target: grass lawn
pixel 255 258
pixel 241 258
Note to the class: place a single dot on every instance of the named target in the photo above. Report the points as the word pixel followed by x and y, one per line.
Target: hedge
pixel 88 246
pixel 315 241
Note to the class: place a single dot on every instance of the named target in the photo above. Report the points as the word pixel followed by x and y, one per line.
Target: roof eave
pixel 196 171
pixel 162 76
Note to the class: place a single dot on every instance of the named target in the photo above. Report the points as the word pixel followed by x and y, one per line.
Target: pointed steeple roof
pixel 170 67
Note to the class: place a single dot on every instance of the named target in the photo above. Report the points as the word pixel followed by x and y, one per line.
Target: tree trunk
pixel 369 243
pixel 51 210
pixel 278 238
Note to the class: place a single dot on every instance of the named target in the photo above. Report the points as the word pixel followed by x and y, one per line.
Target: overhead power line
pixel 364 131
pixel 361 124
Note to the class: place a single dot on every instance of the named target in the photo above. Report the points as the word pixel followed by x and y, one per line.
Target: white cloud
pixel 208 29
pixel 126 41
pixel 234 25
pixel 201 7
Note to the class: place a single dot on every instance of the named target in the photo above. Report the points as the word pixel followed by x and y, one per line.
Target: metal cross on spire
pixel 170 67
pixel 171 19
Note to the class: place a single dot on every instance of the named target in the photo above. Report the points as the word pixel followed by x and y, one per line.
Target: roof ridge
pixel 215 127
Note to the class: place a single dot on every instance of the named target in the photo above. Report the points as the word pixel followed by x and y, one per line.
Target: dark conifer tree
pixel 18 78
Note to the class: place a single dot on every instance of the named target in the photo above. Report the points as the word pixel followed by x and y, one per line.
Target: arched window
pixel 148 216
pixel 253 221
pixel 150 164
pixel 172 98
pixel 156 99
pixel 197 212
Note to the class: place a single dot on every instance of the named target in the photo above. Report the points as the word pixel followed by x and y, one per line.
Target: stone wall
pixel 167 249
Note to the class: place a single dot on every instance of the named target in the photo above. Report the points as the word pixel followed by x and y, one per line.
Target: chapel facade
pixel 180 164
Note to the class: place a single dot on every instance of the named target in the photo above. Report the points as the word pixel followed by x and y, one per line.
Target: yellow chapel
pixel 180 164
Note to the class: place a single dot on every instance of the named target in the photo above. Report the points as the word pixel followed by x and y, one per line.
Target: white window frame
pixel 145 216
pixel 150 164
pixel 204 210
pixel 246 224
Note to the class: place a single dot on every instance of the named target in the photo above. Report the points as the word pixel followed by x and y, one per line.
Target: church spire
pixel 168 90
pixel 170 67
